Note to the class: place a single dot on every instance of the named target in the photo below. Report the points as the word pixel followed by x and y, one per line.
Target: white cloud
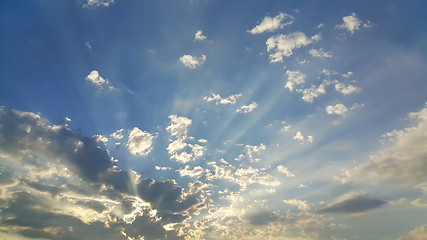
pixel 100 138
pixel 198 36
pixel 319 53
pixel 191 173
pixel 299 136
pixel 219 100
pixel 158 168
pixel 418 233
pixel 117 134
pixel 352 23
pixel 97 80
pixel 294 78
pixel 247 108
pixel 347 75
pixel 309 94
pixel 338 109
pixel 178 126
pixel 282 45
pixel 252 150
pixel 192 62
pixel 98 3
pixel 284 170
pixel 421 203
pixel 349 89
pixel 402 161
pixel 269 24
pixel 139 142
pixel 310 139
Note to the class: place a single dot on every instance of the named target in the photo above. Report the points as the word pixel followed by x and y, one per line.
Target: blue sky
pixel 213 119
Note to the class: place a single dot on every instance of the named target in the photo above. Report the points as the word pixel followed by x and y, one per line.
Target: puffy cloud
pixel 309 94
pixel 418 233
pixel 349 89
pixel 269 24
pixel 402 160
pixel 99 81
pixel 117 134
pixel 192 173
pixel 192 62
pixel 283 45
pixel 219 100
pixel 284 170
pixel 97 3
pixel 421 203
pixel 319 53
pixel 353 202
pixel 178 128
pixel 100 138
pixel 139 142
pixel 338 109
pixel 299 136
pixel 295 78
pixel 198 36
pixel 352 23
pixel 247 108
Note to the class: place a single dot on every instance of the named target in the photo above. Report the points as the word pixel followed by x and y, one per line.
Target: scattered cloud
pixel 269 24
pixel 192 62
pixel 198 36
pixel 299 136
pixel 247 108
pixel 97 3
pixel 295 78
pixel 219 100
pixel 338 109
pixel 98 81
pixel 283 45
pixel 401 161
pixel 140 142
pixel 418 233
pixel 283 170
pixel 117 134
pixel 352 23
pixel 346 89
pixel 353 202
pixel 319 53
pixel 309 94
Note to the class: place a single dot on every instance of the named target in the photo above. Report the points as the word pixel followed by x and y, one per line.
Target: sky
pixel 203 119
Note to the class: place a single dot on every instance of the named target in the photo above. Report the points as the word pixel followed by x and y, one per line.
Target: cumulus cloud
pixel 97 3
pixel 192 62
pixel 99 81
pixel 299 136
pixel 352 23
pixel 319 53
pixel 198 36
pixel 346 89
pixel 117 134
pixel 283 45
pixel 283 170
pixel 69 187
pixel 196 171
pixel 402 160
pixel 295 78
pixel 270 24
pixel 247 108
pixel 418 233
pixel 220 100
pixel 338 109
pixel 353 202
pixel 139 142
pixel 309 94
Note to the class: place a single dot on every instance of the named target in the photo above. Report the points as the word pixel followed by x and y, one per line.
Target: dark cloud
pixel 353 204
pixel 27 140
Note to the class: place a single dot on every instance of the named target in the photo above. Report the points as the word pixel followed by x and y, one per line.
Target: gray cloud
pixel 353 203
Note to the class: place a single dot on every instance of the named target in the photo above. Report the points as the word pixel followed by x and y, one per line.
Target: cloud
pixel 247 108
pixel 352 203
pixel 98 3
pixel 191 173
pixel 421 203
pixel 139 142
pixel 284 170
pixel 198 36
pixel 283 45
pixel 117 134
pixel 269 24
pixel 91 198
pixel 338 109
pixel 99 81
pixel 402 160
pixel 299 136
pixel 345 90
pixel 418 233
pixel 319 53
pixel 352 23
pixel 295 78
pixel 192 62
pixel 309 94
pixel 219 100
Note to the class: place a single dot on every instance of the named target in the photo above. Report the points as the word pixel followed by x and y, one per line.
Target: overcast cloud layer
pixel 213 120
